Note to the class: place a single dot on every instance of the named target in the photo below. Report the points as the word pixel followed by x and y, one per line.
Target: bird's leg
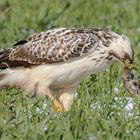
pixel 66 98
pixel 57 105
pixel 53 95
pixel 62 97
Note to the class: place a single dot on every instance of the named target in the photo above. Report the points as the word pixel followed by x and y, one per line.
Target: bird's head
pixel 122 51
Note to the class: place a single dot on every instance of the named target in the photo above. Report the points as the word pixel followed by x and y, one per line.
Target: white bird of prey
pixel 54 62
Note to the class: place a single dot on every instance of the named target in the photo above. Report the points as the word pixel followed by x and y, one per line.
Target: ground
pixel 103 109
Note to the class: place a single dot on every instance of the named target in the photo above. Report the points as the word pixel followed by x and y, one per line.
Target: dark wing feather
pixel 21 42
pixel 52 46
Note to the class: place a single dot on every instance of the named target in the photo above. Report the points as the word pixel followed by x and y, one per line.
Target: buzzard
pixel 54 62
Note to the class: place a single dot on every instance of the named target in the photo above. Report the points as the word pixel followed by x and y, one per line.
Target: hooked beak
pixel 126 63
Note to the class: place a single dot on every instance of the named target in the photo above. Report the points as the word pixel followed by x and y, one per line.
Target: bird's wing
pixel 52 46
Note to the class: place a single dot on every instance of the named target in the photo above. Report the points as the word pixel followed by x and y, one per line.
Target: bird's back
pixel 54 46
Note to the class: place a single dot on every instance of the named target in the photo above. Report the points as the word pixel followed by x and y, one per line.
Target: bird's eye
pixel 126 56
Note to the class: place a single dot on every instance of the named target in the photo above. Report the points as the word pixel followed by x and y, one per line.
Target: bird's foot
pixel 57 105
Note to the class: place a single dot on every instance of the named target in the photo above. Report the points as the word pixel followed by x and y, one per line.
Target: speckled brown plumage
pixel 55 46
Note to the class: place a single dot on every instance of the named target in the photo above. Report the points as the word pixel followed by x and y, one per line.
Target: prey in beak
pixel 130 82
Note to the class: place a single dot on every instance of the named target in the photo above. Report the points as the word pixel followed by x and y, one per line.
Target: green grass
pixel 98 113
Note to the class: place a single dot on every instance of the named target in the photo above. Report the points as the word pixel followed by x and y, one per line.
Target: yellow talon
pixel 58 106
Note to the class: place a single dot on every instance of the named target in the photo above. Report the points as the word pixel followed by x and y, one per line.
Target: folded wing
pixel 52 46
